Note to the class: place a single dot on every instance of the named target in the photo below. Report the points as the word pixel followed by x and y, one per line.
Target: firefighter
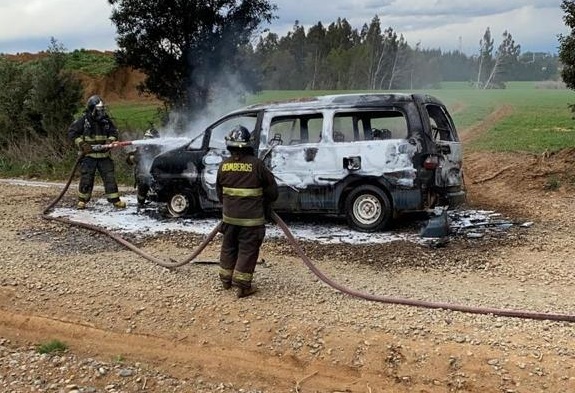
pixel 91 131
pixel 246 189
pixel 141 159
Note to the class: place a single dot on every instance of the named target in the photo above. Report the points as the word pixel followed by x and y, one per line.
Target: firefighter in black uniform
pixel 92 130
pixel 246 189
pixel 141 158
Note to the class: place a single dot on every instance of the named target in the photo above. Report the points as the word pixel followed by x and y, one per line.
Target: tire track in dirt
pixel 471 133
pixel 179 357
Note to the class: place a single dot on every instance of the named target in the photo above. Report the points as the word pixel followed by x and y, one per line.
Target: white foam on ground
pixel 130 220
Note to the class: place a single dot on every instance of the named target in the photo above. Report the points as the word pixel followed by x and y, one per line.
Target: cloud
pixel 29 25
pixel 465 34
pixel 445 24
pixel 76 23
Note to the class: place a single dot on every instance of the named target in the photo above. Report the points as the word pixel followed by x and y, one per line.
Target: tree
pixel 38 99
pixel 485 56
pixel 316 53
pixel 185 46
pixel 506 55
pixel 56 94
pixel 567 44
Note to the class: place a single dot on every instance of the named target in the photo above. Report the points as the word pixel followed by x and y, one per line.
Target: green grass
pixel 531 129
pixel 52 346
pixel 134 115
pixel 540 119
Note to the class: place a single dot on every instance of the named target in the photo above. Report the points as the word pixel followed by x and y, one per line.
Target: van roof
pixel 341 100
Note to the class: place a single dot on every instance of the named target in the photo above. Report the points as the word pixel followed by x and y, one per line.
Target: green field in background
pixel 539 118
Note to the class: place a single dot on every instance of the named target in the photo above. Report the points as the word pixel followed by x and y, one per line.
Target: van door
pixel 449 176
pixel 293 152
pixel 217 151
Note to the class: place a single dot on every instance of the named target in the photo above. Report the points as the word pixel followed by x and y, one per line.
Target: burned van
pixel 366 157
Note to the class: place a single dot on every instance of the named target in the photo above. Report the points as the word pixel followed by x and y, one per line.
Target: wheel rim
pixel 178 204
pixel 367 209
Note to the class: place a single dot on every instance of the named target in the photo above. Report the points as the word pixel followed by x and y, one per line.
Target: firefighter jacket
pixel 86 129
pixel 142 158
pixel 245 187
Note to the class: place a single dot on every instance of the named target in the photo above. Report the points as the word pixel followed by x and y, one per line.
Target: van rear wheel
pixel 368 209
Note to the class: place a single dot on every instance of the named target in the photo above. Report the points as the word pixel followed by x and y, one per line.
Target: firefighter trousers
pixel 105 167
pixel 239 253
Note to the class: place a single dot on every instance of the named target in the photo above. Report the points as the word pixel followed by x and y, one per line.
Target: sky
pixel 449 25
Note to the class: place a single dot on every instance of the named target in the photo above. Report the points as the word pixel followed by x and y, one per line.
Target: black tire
pixel 368 209
pixel 180 204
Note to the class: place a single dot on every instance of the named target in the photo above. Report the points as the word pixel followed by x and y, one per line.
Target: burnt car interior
pixel 295 130
pixel 365 126
pixel 440 124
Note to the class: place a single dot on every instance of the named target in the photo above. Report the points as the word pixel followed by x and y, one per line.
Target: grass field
pixel 134 115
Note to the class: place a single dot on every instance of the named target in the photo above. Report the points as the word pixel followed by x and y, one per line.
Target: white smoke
pixel 228 93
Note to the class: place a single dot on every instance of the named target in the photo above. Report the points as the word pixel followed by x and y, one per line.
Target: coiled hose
pixel 323 277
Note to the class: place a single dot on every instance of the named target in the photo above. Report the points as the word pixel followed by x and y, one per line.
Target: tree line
pixel 339 57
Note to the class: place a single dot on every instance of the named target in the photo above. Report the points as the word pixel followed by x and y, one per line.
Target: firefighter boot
pixel 120 204
pixel 244 292
pixel 81 205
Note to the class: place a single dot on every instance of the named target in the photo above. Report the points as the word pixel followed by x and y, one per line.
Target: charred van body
pixel 367 157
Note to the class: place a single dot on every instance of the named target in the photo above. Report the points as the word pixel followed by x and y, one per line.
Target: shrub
pixel 52 346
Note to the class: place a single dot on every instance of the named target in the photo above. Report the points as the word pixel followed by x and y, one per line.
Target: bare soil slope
pixel 133 326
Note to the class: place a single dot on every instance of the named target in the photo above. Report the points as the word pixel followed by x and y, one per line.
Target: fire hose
pixel 167 264
pixel 309 264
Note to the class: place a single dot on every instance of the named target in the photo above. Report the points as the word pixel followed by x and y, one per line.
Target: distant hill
pixel 98 73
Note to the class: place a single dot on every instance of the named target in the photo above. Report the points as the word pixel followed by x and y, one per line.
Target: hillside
pixel 113 83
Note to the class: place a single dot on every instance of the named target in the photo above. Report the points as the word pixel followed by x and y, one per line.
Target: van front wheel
pixel 368 209
pixel 180 204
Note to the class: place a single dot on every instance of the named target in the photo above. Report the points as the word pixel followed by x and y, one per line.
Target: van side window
pixel 369 125
pixel 219 132
pixel 294 130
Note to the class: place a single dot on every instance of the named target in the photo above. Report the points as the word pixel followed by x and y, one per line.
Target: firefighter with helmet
pixel 141 158
pixel 89 133
pixel 246 189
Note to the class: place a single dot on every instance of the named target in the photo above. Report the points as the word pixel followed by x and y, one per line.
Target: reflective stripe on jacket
pixel 87 129
pixel 244 185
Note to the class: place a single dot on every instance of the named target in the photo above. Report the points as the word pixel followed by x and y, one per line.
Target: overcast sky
pixel 28 25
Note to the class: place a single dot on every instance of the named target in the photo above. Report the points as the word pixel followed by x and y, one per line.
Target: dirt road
pixel 132 326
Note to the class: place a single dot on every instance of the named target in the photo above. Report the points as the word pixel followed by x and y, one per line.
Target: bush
pixel 53 346
pixel 37 99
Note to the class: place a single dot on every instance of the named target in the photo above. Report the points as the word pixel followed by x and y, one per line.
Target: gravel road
pixel 132 326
